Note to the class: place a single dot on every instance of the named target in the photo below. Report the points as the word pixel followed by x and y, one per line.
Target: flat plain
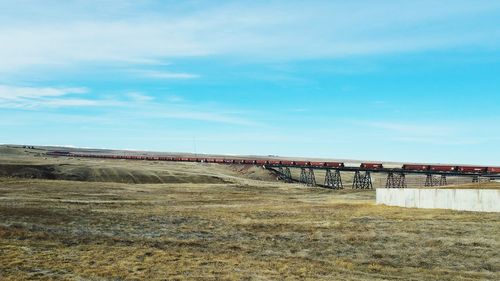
pixel 91 219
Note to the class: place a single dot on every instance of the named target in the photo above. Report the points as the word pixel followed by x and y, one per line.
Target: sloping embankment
pixel 103 174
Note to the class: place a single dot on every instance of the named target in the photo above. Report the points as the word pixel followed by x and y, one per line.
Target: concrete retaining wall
pixel 479 200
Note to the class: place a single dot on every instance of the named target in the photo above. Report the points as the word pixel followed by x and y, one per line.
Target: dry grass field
pixel 138 220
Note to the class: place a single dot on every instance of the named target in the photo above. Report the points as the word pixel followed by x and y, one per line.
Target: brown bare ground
pixel 244 228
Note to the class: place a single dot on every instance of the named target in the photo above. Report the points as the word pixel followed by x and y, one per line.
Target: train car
pixel 493 170
pixel 416 167
pixel 442 168
pixel 318 164
pixel 59 153
pixel 372 165
pixel 286 162
pixel 302 163
pixel 334 164
pixel 472 169
pixel 261 162
pixel 274 162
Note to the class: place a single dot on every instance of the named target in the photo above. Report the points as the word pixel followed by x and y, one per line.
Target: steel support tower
pixel 395 180
pixel 333 179
pixel 307 176
pixel 362 181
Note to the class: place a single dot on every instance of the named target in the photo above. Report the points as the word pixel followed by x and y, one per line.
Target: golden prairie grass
pixel 111 231
pixel 244 227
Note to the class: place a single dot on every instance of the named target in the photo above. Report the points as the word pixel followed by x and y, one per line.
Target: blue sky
pixel 411 81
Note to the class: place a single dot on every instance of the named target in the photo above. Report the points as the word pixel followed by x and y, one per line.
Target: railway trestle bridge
pixel 362 177
pixel 436 175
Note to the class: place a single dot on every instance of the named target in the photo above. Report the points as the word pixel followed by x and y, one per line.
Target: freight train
pixel 291 163
pixel 447 168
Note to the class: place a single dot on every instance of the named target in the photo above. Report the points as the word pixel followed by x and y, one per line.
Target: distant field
pixel 126 220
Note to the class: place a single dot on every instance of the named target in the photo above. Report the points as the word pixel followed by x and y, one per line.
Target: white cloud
pixel 289 30
pixel 204 116
pixel 15 93
pixel 166 74
pixel 139 97
pixel 175 99
pixel 471 132
pixel 22 97
pixel 133 104
pixel 435 129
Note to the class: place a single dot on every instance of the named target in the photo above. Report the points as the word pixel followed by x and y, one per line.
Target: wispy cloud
pixel 8 92
pixel 436 140
pixel 205 116
pixel 22 97
pixel 409 128
pixel 139 97
pixel 175 99
pixel 136 105
pixel 165 74
pixel 436 133
pixel 290 30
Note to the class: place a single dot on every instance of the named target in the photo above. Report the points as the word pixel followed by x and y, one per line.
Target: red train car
pixel 334 164
pixel 372 165
pixel 302 163
pixel 59 153
pixel 415 167
pixel 493 170
pixel 285 162
pixel 442 168
pixel 472 169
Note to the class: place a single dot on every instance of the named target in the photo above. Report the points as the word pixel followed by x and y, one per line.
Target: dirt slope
pixel 34 164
